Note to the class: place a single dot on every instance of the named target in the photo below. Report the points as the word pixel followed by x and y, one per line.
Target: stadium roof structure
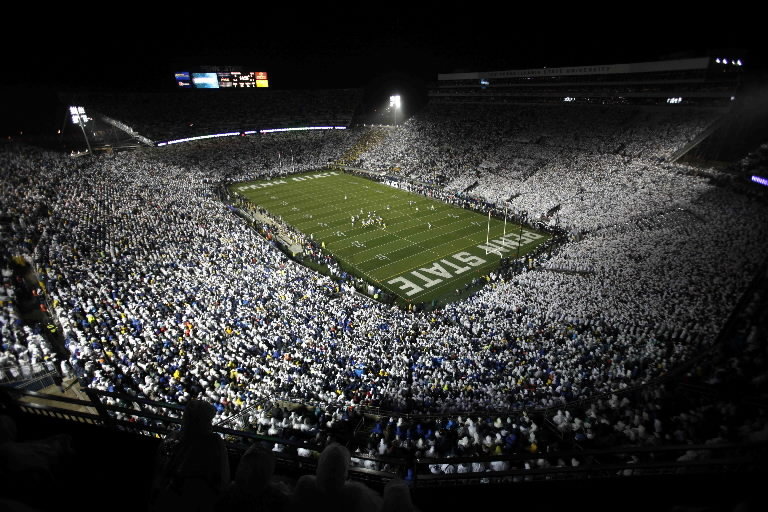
pixel 707 81
pixel 699 63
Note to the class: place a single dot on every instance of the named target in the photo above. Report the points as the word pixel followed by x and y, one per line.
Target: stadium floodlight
pixel 79 118
pixel 394 103
pixel 725 61
pixel 717 60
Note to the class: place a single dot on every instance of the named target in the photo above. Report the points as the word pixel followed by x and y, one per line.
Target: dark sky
pixel 397 47
pixel 140 45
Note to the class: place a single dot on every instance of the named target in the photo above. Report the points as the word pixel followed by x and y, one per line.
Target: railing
pixel 154 419
pixel 614 463
pixel 38 382
pixel 19 375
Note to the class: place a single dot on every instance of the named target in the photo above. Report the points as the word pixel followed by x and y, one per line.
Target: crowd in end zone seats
pixel 163 293
pixel 538 157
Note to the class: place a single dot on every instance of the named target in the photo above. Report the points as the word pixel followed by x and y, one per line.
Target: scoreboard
pixel 243 79
pixel 221 79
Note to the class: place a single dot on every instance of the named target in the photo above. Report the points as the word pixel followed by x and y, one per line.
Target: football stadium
pixel 416 248
pixel 532 285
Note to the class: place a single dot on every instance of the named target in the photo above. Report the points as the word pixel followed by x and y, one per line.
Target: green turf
pixel 407 258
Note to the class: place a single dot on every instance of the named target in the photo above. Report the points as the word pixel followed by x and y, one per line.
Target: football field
pixel 417 248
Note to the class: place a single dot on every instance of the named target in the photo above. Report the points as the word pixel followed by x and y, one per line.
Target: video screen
pixel 205 80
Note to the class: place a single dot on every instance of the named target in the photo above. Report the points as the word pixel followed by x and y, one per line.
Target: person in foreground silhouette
pixel 397 497
pixel 253 487
pixel 27 466
pixel 329 489
pixel 192 466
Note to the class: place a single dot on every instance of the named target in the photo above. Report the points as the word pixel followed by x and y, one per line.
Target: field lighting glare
pixel 78 115
pixel 394 103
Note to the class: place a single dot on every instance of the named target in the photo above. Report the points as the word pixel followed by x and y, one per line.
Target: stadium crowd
pixel 163 293
pixel 601 164
pixel 24 350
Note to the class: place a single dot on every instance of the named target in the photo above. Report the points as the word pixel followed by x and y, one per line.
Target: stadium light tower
pixel 79 118
pixel 394 103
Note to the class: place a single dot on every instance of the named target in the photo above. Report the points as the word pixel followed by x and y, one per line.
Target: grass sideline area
pixel 417 248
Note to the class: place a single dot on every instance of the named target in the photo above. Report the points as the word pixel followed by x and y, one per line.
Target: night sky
pixel 376 47
pixel 342 46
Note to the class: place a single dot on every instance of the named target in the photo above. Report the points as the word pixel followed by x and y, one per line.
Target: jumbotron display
pixel 221 79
